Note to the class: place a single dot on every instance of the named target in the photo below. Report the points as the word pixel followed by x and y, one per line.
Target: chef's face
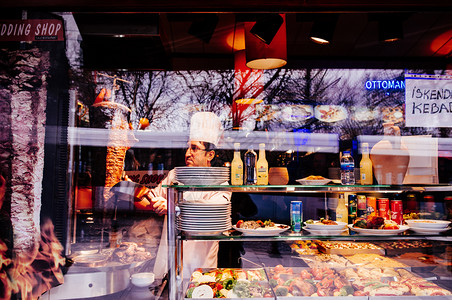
pixel 197 155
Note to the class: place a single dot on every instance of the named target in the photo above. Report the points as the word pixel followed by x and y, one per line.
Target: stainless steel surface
pixel 111 266
pixel 88 285
pixel 91 260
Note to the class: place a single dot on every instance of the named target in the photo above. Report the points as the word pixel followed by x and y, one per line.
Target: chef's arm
pixel 156 198
pixel 150 201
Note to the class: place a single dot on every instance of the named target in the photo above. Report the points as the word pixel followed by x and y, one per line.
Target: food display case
pixel 366 265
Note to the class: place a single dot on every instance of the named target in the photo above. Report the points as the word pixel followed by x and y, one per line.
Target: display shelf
pixel 313 188
pixel 295 237
pixel 175 237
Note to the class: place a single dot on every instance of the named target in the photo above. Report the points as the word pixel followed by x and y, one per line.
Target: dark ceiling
pixel 185 41
pixel 163 36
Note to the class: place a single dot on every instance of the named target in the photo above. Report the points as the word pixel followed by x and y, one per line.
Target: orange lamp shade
pixel 259 55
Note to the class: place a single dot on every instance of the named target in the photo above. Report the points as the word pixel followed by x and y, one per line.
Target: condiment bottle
pixel 365 166
pixel 262 167
pixel 237 167
pixel 341 210
pixel 250 167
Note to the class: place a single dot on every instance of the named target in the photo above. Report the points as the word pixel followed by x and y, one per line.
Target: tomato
pixel 305 274
pixel 101 96
pixel 391 226
pixel 239 223
pixel 144 122
pixel 279 268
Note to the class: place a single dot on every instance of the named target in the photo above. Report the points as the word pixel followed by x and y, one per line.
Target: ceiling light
pixel 260 55
pixel 322 31
pixel 266 27
pixel 390 28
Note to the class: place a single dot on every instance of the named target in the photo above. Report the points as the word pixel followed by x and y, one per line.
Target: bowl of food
pixel 313 180
pixel 143 279
pixel 324 224
pixel 427 223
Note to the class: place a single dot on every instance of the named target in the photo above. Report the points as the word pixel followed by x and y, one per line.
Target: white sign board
pixel 428 100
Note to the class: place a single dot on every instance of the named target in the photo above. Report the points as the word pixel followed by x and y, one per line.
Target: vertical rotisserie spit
pixel 108 161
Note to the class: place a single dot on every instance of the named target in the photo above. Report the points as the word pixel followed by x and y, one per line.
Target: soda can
pixel 383 208
pixel 362 206
pixel 296 215
pixel 396 211
pixel 372 206
pixel 352 208
pixel 352 204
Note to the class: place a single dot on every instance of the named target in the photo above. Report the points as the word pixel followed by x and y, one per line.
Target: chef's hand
pixel 145 202
pixel 160 205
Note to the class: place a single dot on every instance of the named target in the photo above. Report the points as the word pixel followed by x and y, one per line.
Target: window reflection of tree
pixel 208 91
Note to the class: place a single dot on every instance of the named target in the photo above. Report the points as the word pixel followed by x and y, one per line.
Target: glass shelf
pixel 313 188
pixel 295 237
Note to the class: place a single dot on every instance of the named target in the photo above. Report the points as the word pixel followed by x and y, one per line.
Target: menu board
pixel 428 100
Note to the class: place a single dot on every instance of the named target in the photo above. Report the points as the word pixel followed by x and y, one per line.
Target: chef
pixel 205 134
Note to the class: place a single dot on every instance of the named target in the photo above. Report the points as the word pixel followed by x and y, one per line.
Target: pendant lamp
pixel 260 55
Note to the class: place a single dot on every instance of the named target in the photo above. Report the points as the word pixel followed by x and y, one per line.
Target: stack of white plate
pixel 202 175
pixel 204 218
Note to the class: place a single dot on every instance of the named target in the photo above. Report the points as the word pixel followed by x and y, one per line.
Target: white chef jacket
pixel 196 254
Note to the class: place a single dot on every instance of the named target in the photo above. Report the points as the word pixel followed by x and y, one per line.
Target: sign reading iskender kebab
pixel 428 100
pixel 32 30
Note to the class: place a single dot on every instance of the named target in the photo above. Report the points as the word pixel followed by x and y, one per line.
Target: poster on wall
pixel 428 100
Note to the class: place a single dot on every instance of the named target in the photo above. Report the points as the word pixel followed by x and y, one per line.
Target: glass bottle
pixel 341 210
pixel 250 167
pixel 365 166
pixel 237 167
pixel 262 167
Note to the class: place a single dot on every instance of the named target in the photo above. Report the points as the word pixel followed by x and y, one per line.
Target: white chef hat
pixel 206 127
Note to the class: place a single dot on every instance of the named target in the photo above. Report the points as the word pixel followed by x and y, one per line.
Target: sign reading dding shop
pixel 32 30
pixel 428 100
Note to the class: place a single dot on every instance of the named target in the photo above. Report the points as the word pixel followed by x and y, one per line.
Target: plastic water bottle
pixel 347 169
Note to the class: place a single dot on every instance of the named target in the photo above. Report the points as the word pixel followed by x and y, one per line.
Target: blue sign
pixel 385 84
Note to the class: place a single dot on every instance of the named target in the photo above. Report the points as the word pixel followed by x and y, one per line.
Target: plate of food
pixel 324 224
pixel 313 180
pixel 365 231
pixel 392 114
pixel 364 114
pixel 295 113
pixel 267 228
pixel 330 113
pixel 427 223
